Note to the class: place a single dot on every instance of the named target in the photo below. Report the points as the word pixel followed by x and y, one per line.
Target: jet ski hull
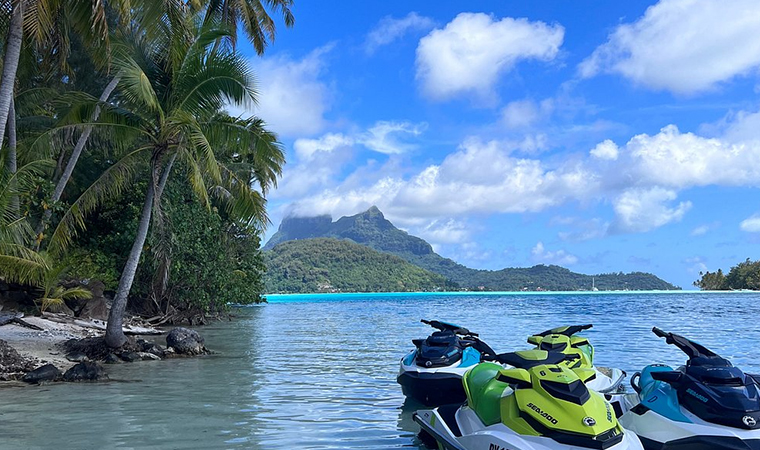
pixel 659 433
pixel 464 431
pixel 434 388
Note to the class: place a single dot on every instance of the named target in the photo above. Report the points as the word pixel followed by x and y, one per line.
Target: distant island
pixel 367 253
pixel 743 276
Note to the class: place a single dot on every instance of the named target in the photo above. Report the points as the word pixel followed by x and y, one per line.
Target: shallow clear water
pixel 319 372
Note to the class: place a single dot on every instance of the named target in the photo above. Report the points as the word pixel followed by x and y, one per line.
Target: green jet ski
pixel 565 340
pixel 540 404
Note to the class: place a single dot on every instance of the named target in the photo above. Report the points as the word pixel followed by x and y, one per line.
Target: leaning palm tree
pixel 150 17
pixel 42 21
pixel 172 90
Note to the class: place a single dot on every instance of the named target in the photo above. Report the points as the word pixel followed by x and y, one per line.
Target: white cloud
pixel 742 127
pixel 583 229
pixel 473 50
pixel 319 161
pixel 293 99
pixel 478 178
pixel 389 30
pixel 695 265
pixel 340 201
pixel 445 231
pixel 308 149
pixel 640 210
pixel 605 150
pixel 679 160
pixel 385 137
pixel 700 230
pixel 684 46
pixel 540 255
pixel 751 224
pixel 705 228
pixel 642 180
pixel 524 113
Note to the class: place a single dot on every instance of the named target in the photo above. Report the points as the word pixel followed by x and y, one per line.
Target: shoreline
pixel 46 346
pixel 274 298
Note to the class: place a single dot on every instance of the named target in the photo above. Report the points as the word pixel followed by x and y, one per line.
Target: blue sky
pixel 600 136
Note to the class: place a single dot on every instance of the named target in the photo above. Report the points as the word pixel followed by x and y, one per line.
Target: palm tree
pixel 17 262
pixel 172 90
pixel 257 23
pixel 43 21
pixel 54 294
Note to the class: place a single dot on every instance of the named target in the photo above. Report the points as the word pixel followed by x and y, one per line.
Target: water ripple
pixel 321 374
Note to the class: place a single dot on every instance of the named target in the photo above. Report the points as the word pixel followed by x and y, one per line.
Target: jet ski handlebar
pixel 566 331
pixel 691 348
pixel 443 326
pixel 659 333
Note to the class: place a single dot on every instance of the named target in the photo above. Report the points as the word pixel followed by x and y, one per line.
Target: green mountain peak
pixel 371 229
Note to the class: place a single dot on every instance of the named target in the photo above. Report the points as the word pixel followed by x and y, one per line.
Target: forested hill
pixel 332 265
pixel 372 229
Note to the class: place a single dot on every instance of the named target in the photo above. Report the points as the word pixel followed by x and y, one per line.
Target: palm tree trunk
pixel 115 337
pixel 10 63
pixel 12 160
pixel 66 175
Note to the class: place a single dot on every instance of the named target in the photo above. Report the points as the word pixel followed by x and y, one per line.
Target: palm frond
pixel 75 293
pixel 248 145
pixel 195 177
pixel 19 264
pixel 241 202
pixel 257 22
pixel 109 185
pixel 209 82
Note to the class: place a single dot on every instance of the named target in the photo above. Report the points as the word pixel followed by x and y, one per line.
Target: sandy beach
pixel 45 346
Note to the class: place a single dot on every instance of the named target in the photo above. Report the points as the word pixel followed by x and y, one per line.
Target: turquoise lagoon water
pixel 318 372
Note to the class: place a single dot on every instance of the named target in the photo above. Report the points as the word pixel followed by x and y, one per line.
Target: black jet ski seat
pixel 528 359
pixel 442 348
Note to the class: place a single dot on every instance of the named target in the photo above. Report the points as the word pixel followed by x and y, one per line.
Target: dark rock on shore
pixel 112 359
pixel 152 348
pixel 96 308
pixel 76 357
pixel 186 342
pixel 85 371
pixel 130 356
pixel 96 349
pixel 48 372
pixel 12 365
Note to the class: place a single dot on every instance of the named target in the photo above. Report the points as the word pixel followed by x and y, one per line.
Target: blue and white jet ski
pixel 432 373
pixel 708 404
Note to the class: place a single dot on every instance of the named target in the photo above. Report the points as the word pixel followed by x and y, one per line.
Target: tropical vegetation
pixel 119 162
pixel 333 265
pixel 745 275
